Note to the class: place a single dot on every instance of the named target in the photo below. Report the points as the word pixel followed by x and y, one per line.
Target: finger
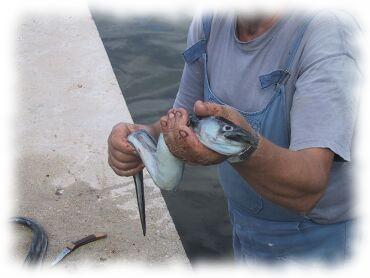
pixel 134 171
pixel 120 143
pixel 169 138
pixel 209 109
pixel 177 144
pixel 125 166
pixel 200 109
pixel 127 173
pixel 186 137
pixel 195 149
pixel 164 124
pixel 166 131
pixel 133 127
pixel 119 134
pixel 169 135
pixel 186 141
pixel 114 168
pixel 181 117
pixel 171 119
pixel 122 157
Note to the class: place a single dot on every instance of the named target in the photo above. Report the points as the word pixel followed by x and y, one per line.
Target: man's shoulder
pixel 333 19
pixel 330 33
pixel 325 23
pixel 219 20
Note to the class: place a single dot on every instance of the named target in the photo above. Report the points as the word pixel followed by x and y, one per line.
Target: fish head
pixel 221 135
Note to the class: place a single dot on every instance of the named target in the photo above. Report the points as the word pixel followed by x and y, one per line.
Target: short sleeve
pixel 324 106
pixel 191 84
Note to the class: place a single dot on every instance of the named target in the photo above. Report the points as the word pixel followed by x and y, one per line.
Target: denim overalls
pixel 262 230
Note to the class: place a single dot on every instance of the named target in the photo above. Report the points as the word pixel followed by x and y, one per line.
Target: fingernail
pixel 178 114
pixel 171 115
pixel 183 134
pixel 128 146
pixel 163 123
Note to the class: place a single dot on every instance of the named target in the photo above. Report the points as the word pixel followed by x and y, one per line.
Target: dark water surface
pixel 145 53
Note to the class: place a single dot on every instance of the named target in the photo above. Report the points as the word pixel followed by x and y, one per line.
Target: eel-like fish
pixel 166 170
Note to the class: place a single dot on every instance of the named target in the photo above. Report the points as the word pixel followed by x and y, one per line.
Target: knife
pixel 76 244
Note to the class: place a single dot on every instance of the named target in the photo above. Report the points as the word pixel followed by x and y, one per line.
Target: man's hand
pixel 122 157
pixel 183 142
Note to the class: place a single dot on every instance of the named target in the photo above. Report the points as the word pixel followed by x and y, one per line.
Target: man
pixel 289 81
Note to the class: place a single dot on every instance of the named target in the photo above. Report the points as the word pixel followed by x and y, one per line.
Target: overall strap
pixel 296 43
pixel 207 23
pixel 198 49
pixel 280 76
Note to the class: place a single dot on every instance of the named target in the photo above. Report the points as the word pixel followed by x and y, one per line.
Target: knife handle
pixel 75 244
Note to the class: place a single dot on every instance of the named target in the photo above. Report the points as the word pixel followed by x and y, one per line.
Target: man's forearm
pixel 293 179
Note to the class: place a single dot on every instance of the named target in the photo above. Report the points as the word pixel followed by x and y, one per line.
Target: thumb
pixel 134 127
pixel 200 109
pixel 204 109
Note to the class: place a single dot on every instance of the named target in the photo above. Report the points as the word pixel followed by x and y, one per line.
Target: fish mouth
pixel 240 135
pixel 193 121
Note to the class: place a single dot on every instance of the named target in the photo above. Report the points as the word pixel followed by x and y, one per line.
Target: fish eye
pixel 227 128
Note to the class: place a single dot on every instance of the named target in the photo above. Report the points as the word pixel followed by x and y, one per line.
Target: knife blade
pixel 76 244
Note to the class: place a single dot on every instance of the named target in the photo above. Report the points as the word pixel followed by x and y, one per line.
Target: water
pixel 145 53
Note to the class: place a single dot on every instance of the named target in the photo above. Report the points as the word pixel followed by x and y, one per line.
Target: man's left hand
pixel 183 142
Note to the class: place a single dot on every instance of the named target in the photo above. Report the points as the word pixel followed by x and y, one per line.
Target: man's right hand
pixel 122 157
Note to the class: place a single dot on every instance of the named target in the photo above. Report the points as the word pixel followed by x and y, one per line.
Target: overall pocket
pixel 268 240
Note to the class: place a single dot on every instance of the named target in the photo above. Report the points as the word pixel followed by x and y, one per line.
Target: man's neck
pixel 249 28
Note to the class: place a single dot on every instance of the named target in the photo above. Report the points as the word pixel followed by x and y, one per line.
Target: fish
pixel 166 170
